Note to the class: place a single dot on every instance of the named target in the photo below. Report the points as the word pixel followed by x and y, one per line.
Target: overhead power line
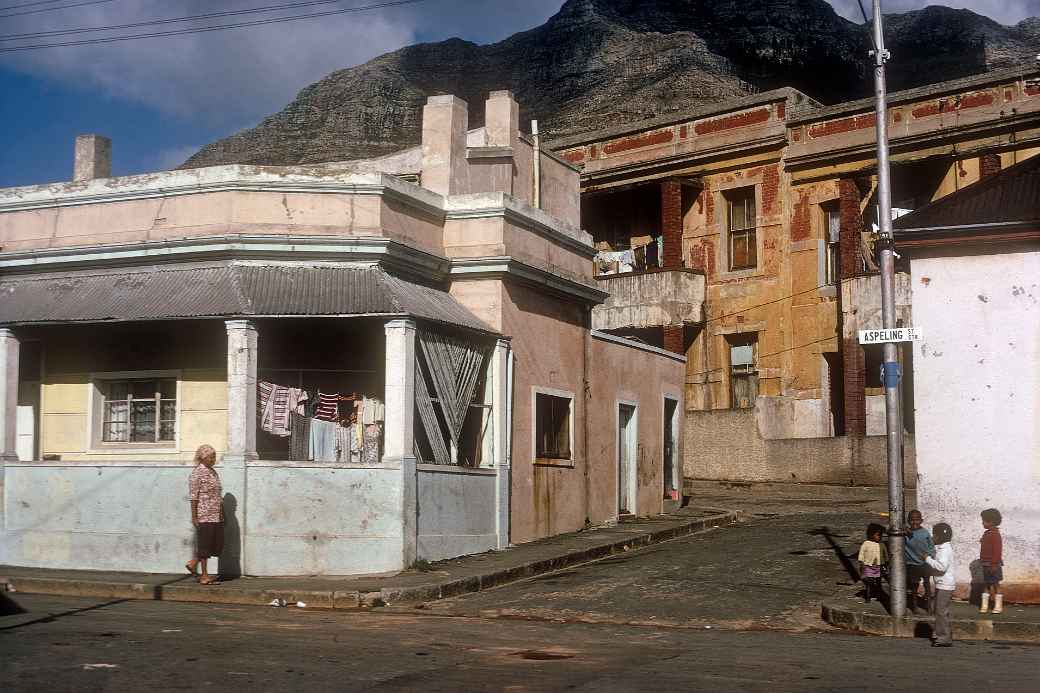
pixel 28 4
pixel 47 9
pixel 205 29
pixel 173 20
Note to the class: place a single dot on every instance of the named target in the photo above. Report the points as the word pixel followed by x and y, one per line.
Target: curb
pixel 921 627
pixel 348 599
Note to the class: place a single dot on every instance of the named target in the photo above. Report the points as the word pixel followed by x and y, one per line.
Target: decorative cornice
pixel 374 250
pixel 214 180
pixel 500 267
pixel 500 205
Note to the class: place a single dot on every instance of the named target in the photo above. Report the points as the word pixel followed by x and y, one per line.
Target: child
pixel 918 546
pixel 945 583
pixel 991 555
pixel 872 556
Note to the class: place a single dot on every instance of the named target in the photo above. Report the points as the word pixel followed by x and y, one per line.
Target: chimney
pixel 502 119
pixel 93 157
pixel 444 126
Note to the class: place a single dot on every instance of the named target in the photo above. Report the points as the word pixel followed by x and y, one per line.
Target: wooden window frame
pixel 561 418
pixel 157 399
pixel 746 232
pixel 742 370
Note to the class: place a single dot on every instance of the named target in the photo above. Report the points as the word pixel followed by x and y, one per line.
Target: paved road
pixel 772 571
pixel 70 644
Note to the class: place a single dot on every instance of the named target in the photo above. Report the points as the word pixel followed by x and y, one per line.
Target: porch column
pixel 671 224
pixel 241 441
pixel 241 374
pixel 8 409
pixel 398 432
pixel 502 411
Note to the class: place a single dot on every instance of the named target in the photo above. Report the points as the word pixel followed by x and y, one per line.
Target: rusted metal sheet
pixel 224 291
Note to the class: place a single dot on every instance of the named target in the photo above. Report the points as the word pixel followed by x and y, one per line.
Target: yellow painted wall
pixel 65 426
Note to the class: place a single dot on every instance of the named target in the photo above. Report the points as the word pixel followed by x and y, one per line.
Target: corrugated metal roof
pixel 1013 195
pixel 224 291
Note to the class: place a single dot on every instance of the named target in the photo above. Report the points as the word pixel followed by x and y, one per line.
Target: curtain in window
pixel 454 367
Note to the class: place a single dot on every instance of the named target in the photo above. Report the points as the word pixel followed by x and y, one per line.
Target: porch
pixel 405 461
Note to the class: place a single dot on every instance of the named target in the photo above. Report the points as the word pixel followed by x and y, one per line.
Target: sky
pixel 160 99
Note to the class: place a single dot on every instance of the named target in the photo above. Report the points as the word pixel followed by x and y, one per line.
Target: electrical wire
pixel 206 29
pixel 48 9
pixel 28 4
pixel 174 20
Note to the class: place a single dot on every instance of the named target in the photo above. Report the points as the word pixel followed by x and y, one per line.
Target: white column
pixel 502 413
pixel 241 384
pixel 399 426
pixel 9 347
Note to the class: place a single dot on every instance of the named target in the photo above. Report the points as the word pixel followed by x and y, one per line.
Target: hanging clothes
pixel 372 411
pixel 274 405
pixel 344 440
pixel 323 440
pixel 651 255
pixel 328 407
pixel 373 436
pixel 299 437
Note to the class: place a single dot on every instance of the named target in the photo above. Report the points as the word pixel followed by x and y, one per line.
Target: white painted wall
pixel 456 511
pixel 977 401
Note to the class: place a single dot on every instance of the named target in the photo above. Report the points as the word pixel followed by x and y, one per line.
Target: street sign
pixel 896 334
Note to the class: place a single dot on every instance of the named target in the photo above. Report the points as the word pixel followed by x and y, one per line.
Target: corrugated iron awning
pixel 227 291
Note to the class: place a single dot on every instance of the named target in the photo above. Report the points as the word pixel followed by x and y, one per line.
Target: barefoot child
pixel 872 556
pixel 945 583
pixel 991 555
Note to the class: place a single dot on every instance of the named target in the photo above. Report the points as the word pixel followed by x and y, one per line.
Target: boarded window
pixel 139 411
pixel 743 246
pixel 553 433
pixel 743 371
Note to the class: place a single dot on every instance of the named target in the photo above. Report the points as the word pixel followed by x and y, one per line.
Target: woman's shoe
pixel 998 604
pixel 984 608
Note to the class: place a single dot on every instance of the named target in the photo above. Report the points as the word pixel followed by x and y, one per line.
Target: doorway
pixel 671 468
pixel 626 459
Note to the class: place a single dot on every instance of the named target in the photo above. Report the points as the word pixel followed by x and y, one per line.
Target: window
pixel 743 248
pixel 832 232
pixel 743 373
pixel 139 411
pixel 553 434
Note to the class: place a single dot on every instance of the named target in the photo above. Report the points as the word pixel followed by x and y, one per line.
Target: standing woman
pixel 207 512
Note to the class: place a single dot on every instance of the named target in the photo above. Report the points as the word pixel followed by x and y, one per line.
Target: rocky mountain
pixel 607 62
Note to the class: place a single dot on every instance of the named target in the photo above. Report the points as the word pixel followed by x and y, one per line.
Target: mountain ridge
pixel 609 62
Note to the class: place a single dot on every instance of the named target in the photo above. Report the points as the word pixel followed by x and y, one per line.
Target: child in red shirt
pixel 991 556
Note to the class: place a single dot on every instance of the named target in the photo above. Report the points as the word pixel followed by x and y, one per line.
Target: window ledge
pixel 550 462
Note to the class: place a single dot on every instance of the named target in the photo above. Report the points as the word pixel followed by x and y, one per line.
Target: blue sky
pixel 161 99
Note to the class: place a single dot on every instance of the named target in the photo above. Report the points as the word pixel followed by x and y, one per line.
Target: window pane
pixel 116 411
pixel 142 422
pixel 114 433
pixel 739 252
pixel 144 389
pixel 166 430
pixel 742 355
pixel 833 225
pixel 736 214
pixel 752 249
pixel 168 412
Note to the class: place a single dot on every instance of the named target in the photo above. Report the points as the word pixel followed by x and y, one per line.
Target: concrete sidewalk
pixel 443 579
pixel 1018 623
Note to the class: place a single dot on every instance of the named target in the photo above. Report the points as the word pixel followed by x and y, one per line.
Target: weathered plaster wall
pixel 296 517
pixel 726 446
pixel 977 392
pixel 456 511
pixel 634 376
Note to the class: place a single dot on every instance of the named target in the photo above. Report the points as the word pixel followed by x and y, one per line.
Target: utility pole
pixel 891 372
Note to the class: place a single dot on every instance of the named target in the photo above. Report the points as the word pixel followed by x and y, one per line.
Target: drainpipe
pixel 587 358
pixel 537 196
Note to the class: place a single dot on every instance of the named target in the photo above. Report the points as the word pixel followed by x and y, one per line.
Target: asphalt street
pixel 732 609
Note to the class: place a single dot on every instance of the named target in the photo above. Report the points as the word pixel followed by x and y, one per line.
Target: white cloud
pixel 220 77
pixel 1004 11
pixel 172 157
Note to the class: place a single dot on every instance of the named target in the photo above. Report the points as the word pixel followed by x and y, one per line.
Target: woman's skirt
pixel 209 539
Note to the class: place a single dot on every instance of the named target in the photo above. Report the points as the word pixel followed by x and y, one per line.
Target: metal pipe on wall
pixel 536 196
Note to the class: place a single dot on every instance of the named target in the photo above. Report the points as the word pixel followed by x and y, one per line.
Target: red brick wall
pixel 673 339
pixel 849 245
pixel 989 165
pixel 636 141
pixel 671 223
pixel 843 125
pixel 854 376
pixel 801 219
pixel 738 120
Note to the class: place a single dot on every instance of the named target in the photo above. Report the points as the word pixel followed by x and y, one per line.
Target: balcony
pixel 651 298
